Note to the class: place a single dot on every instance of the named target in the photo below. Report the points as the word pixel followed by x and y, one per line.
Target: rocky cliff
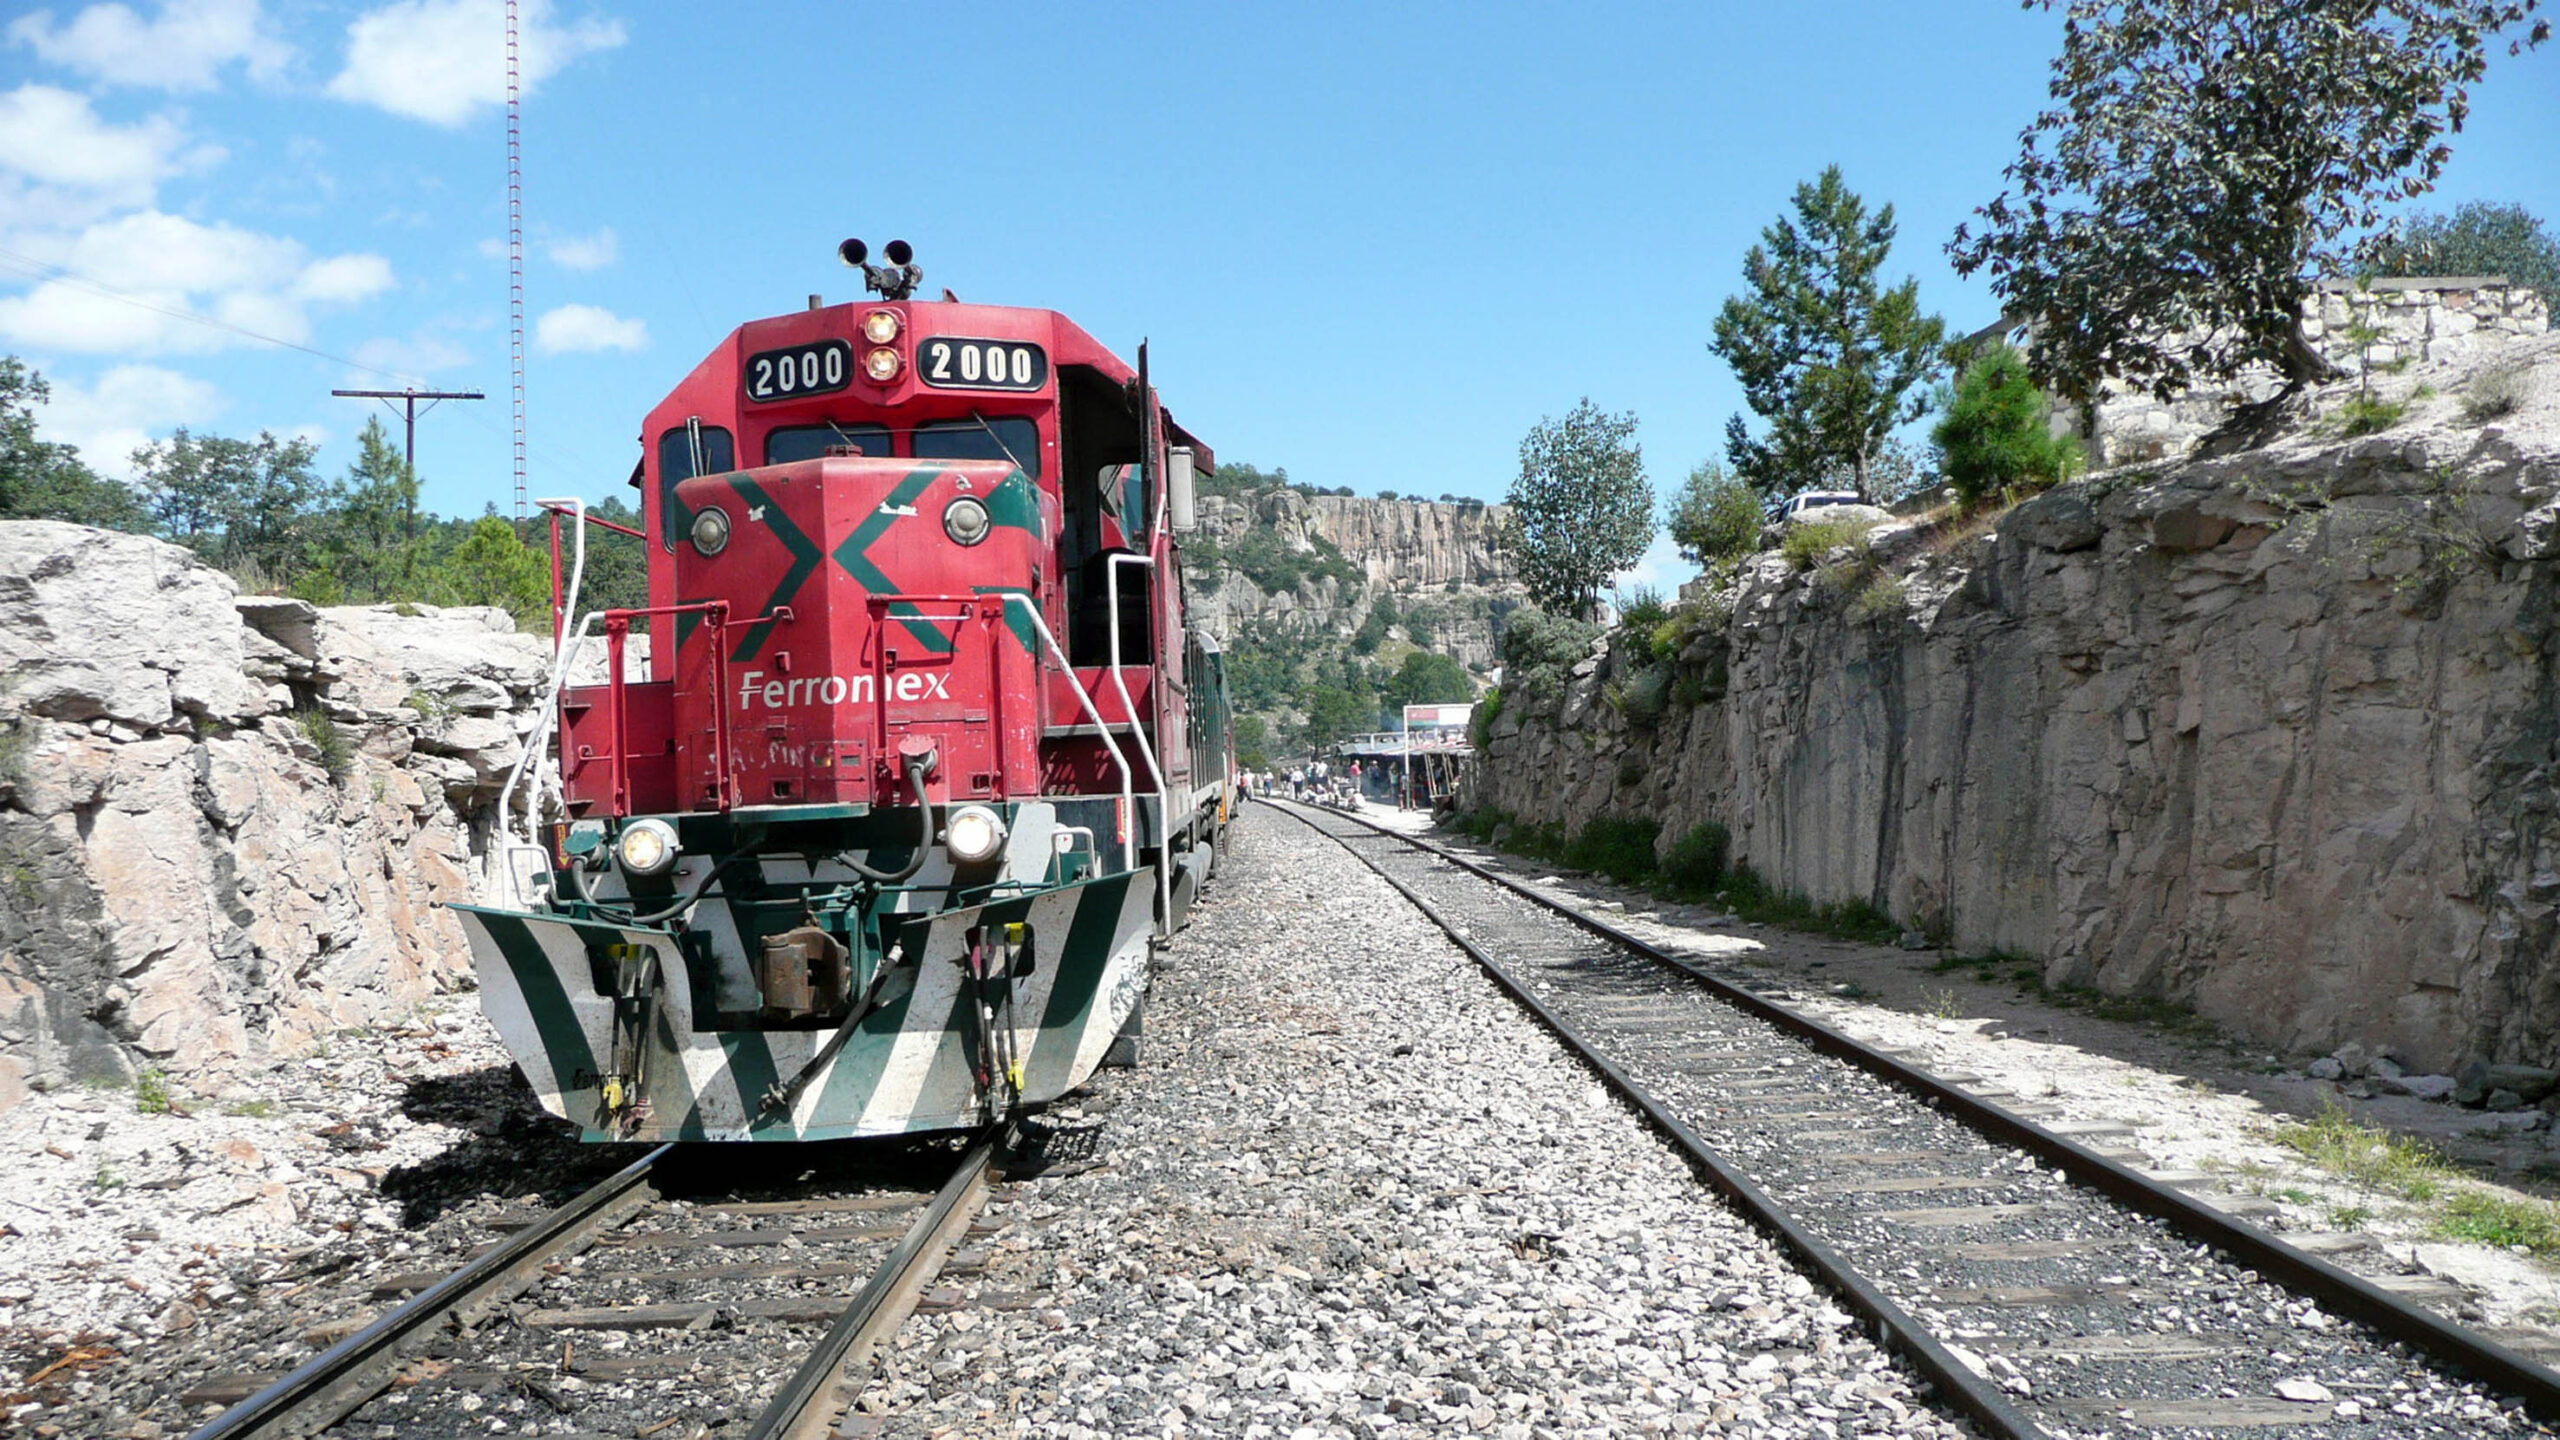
pixel 226 822
pixel 1320 564
pixel 2276 735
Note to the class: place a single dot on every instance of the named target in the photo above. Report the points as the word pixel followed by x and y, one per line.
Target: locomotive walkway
pixel 2049 1285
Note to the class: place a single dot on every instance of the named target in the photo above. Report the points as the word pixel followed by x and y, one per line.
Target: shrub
pixel 1884 597
pixel 1997 432
pixel 1480 724
pixel 1641 609
pixel 337 756
pixel 2496 393
pixel 2365 415
pixel 1538 649
pixel 1715 517
pixel 1695 863
pixel 1808 543
pixel 1618 847
pixel 151 1092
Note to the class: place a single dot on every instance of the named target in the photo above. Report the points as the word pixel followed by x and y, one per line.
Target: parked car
pixel 1816 500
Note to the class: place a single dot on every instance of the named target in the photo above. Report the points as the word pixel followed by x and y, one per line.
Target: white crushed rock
pixel 2197 1102
pixel 120 1227
pixel 1353 1191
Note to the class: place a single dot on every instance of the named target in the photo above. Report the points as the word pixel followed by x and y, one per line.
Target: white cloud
pixel 124 409
pixel 443 61
pixel 344 279
pixel 155 263
pixel 585 252
pixel 415 358
pixel 184 49
pixel 52 138
pixel 587 327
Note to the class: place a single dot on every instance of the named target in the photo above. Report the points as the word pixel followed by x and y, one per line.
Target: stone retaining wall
pixel 2275 735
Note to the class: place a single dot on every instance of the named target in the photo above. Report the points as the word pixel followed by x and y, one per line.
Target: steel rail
pixel 795 1412
pixel 1894 1328
pixel 2343 1292
pixel 330 1385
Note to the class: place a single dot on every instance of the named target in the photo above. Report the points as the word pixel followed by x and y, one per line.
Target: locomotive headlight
pixel 881 365
pixel 973 833
pixel 880 326
pixel 710 531
pixel 965 520
pixel 647 847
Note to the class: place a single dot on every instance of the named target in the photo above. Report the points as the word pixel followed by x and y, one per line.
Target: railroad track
pixel 636 1310
pixel 2046 1285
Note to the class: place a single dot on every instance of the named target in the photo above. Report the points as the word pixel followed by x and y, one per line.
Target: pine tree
pixel 1828 359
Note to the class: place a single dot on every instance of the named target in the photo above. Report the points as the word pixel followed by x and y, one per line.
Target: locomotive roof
pixel 1066 342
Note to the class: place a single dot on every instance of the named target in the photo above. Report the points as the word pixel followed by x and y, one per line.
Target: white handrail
pixel 1128 836
pixel 566 639
pixel 1146 748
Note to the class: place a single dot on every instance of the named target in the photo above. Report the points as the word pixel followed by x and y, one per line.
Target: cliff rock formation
pixel 225 820
pixel 2276 734
pixel 1320 563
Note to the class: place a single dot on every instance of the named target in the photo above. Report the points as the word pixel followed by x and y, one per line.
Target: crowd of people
pixel 1317 781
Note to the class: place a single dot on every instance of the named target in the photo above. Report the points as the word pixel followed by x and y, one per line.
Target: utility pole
pixel 409 426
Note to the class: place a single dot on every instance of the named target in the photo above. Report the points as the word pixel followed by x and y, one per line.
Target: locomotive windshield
pixel 812 442
pixel 982 438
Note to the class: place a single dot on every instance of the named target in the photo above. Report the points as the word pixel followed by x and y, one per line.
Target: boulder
pixel 2061 520
pixel 96 625
pixel 2532 1082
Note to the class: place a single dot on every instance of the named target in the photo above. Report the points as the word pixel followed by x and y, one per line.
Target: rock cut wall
pixel 227 823
pixel 2275 735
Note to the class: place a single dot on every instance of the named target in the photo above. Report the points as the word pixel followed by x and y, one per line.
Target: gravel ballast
pixel 1353 1191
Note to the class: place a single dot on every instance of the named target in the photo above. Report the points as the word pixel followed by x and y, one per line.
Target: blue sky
pixel 1372 244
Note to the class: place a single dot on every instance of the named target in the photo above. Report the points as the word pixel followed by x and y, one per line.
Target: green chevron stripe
pixel 855 556
pixel 751 1066
pixel 564 1041
pixel 1015 620
pixel 1080 961
pixel 805 558
pixel 860 1065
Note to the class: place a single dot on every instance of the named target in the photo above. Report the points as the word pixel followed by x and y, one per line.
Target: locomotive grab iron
pixel 926 754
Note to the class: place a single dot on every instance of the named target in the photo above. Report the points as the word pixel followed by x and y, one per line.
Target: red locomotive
pixel 926 754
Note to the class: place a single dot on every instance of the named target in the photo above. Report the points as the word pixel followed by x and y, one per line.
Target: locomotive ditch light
pixel 710 531
pixel 965 520
pixel 880 326
pixel 973 833
pixel 881 365
pixel 647 847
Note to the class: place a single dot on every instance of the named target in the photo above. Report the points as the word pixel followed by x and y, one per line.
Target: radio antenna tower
pixel 515 242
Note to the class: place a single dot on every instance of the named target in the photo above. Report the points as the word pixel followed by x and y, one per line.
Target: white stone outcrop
pixel 2276 735
pixel 227 822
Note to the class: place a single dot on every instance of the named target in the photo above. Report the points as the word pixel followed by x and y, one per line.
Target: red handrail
pixel 617 626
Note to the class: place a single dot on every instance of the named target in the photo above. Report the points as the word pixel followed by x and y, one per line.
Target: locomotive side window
pixel 675 465
pixel 811 442
pixel 998 438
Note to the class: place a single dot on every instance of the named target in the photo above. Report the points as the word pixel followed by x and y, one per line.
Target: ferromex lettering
pixel 911 685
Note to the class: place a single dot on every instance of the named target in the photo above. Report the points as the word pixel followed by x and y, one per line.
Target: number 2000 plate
pixel 947 362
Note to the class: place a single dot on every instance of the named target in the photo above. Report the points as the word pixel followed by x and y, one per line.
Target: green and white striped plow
pixel 908 1065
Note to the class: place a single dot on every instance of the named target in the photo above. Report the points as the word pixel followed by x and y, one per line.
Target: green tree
pixel 2203 161
pixel 45 479
pixel 240 503
pixel 1998 430
pixel 493 566
pixel 1333 713
pixel 1715 516
pixel 1826 357
pixel 1581 510
pixel 1253 741
pixel 2478 238
pixel 1426 678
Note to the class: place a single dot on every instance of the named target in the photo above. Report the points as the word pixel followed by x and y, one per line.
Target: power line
pixel 57 275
